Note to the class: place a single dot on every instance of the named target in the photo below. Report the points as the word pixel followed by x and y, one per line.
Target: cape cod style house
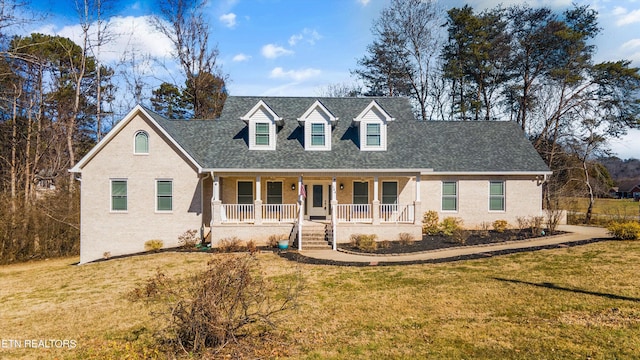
pixel 287 165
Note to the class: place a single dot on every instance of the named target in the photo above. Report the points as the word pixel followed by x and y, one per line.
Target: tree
pixel 476 61
pixel 184 24
pixel 168 101
pixel 401 58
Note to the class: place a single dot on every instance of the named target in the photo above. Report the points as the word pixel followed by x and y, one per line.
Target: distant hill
pixel 622 169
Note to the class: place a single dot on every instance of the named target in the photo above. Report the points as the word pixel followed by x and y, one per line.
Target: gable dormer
pixel 372 127
pixel 317 122
pixel 262 121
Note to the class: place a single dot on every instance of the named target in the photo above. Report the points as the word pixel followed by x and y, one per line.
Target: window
pixel 245 192
pixel 496 196
pixel 373 134
pixel 274 192
pixel 317 135
pixel 262 134
pixel 164 195
pixel 449 196
pixel 360 192
pixel 389 192
pixel 141 145
pixel 118 195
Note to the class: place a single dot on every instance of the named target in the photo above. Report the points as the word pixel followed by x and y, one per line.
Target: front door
pixel 318 200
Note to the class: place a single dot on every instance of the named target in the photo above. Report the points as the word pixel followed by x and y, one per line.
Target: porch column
pixel 417 204
pixel 216 204
pixel 257 203
pixel 375 211
pixel 300 212
pixel 334 216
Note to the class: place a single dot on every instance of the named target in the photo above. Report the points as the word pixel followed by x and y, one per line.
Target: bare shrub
pixel 500 225
pixel 460 236
pixel 189 238
pixel 406 238
pixel 153 245
pixel 484 229
pixel 251 247
pixel 229 300
pixel 384 244
pixel 273 240
pixel 553 219
pixel 430 221
pixel 536 225
pixel 523 223
pixel 364 242
pixel 232 244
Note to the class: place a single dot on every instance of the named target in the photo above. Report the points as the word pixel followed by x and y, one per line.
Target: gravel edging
pixel 297 257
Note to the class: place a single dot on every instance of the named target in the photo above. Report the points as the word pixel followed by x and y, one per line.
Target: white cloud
pixel 271 51
pixel 628 18
pixel 241 57
pixel 364 2
pixel 619 11
pixel 633 43
pixel 296 75
pixel 229 20
pixel 308 35
pixel 127 33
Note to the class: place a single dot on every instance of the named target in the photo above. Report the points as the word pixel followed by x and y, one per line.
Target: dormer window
pixel 141 143
pixel 317 122
pixel 262 122
pixel 372 123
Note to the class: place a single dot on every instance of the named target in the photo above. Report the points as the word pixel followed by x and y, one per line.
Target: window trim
pixel 126 196
pixel 503 196
pixel 454 197
pixel 238 191
pixel 135 138
pixel 364 135
pixel 353 192
pixel 158 210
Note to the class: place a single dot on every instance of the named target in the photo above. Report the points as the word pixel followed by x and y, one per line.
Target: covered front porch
pixel 276 202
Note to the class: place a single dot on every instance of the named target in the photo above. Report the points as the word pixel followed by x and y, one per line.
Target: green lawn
pixel 573 303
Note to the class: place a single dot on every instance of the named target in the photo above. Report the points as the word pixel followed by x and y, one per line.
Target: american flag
pixel 303 192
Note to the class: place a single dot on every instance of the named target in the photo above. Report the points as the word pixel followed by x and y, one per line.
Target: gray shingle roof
pixel 443 146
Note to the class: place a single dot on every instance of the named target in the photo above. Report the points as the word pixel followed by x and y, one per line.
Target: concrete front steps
pixel 315 236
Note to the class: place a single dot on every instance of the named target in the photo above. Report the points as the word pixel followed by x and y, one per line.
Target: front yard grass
pixel 579 302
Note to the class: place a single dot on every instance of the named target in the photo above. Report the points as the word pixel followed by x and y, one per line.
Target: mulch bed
pixel 430 242
pixel 435 242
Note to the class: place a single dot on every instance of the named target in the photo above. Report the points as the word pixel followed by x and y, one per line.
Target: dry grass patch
pixel 567 303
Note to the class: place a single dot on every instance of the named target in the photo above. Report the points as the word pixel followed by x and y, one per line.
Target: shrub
pixel 216 307
pixel 364 242
pixel 536 225
pixel 484 229
pixel 430 223
pixel 189 238
pixel 232 244
pixel 460 236
pixel 629 230
pixel 251 247
pixel 384 244
pixel 406 238
pixel 273 239
pixel 449 225
pixel 153 245
pixel 500 225
pixel 522 222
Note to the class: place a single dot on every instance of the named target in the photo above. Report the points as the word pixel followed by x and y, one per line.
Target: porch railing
pixel 279 212
pixel 237 213
pixel 354 213
pixel 395 213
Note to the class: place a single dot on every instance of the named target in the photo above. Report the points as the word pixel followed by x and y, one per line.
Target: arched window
pixel 141 143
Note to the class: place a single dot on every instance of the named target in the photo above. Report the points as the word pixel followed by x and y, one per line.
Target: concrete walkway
pixel 574 234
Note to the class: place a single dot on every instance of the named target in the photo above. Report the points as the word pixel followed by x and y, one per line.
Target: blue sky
pixel 298 47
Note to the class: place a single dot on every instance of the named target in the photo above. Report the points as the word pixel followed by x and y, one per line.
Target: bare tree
pixel 184 23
